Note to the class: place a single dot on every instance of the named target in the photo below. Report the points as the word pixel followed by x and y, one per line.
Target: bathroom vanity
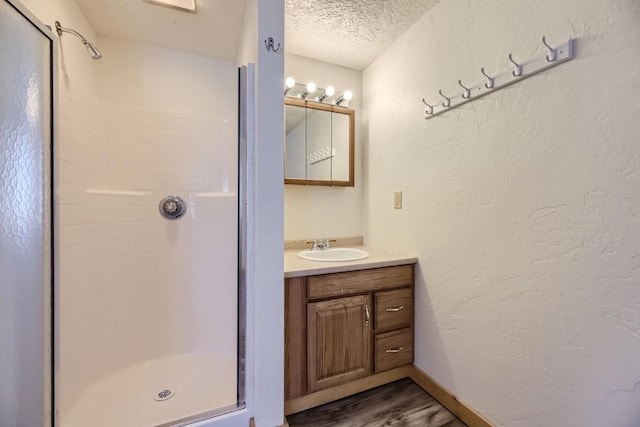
pixel 345 322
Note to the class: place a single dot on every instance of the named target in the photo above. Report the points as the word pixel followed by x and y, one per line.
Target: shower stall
pixel 133 146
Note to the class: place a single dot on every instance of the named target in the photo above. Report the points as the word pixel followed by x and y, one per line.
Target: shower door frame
pixel 244 365
pixel 50 222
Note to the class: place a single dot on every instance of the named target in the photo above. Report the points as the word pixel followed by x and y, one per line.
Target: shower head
pixel 93 51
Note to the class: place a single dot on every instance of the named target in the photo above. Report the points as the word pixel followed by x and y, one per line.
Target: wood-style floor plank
pixel 401 404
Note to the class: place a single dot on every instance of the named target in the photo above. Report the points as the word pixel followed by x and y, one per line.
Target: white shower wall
pixel 136 287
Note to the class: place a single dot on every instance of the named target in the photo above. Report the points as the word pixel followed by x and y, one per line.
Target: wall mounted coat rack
pixel 520 71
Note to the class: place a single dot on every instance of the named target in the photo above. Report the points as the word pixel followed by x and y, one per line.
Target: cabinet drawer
pixel 355 282
pixel 393 349
pixel 394 309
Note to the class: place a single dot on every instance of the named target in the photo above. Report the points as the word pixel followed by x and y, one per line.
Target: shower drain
pixel 163 395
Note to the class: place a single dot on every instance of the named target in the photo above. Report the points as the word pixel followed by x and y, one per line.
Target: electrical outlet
pixel 397 200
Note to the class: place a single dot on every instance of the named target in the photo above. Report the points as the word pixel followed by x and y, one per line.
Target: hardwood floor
pixel 402 404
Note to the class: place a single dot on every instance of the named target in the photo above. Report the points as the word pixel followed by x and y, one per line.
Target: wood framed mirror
pixel 319 144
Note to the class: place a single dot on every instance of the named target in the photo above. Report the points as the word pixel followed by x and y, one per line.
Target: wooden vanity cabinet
pixel 340 327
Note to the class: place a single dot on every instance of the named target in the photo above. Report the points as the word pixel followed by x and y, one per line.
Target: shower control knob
pixel 172 207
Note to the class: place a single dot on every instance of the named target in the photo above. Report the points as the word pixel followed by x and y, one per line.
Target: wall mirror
pixel 319 143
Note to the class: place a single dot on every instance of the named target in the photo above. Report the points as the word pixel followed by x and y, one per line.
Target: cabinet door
pixel 339 341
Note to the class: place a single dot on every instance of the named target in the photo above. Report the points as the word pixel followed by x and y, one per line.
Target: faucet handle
pixel 314 244
pixel 328 242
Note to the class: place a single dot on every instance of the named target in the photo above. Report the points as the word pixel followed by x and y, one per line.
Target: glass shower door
pixel 26 135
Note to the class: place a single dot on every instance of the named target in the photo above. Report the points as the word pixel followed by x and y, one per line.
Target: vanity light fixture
pixel 326 95
pixel 310 88
pixel 329 91
pixel 346 96
pixel 182 5
pixel 289 83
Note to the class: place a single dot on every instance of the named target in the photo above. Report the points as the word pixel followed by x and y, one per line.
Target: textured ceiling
pixel 350 33
pixel 213 31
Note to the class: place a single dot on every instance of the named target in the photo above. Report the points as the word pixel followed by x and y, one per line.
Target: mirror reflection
pixel 319 145
pixel 295 147
pixel 341 133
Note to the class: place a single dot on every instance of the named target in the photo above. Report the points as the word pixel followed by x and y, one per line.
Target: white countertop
pixel 294 266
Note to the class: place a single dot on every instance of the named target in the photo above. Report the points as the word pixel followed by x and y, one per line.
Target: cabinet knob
pixel 395 350
pixel 395 309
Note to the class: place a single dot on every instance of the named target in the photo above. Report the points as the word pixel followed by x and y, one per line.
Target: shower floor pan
pixel 156 393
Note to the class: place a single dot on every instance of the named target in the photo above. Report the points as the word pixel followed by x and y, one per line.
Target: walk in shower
pixel 145 299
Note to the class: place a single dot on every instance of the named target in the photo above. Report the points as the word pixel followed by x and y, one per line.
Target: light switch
pixel 397 200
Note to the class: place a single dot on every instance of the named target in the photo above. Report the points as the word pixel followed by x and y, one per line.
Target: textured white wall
pixel 315 211
pixel 523 207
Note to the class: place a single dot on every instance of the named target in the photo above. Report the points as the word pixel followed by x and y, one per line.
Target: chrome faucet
pixel 320 245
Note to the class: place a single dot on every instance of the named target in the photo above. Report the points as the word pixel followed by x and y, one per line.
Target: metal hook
pixel 269 44
pixel 553 54
pixel 518 71
pixel 427 111
pixel 447 102
pixel 490 81
pixel 467 92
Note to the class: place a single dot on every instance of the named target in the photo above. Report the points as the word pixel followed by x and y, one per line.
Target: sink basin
pixel 334 254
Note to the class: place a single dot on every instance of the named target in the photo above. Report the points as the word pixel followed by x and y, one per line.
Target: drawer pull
pixel 395 309
pixel 395 350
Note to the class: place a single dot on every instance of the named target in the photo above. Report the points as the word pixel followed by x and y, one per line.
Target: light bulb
pixel 330 91
pixel 348 95
pixel 290 82
pixel 311 87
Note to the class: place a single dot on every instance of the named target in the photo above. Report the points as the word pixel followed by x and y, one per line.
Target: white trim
pixel 268 215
